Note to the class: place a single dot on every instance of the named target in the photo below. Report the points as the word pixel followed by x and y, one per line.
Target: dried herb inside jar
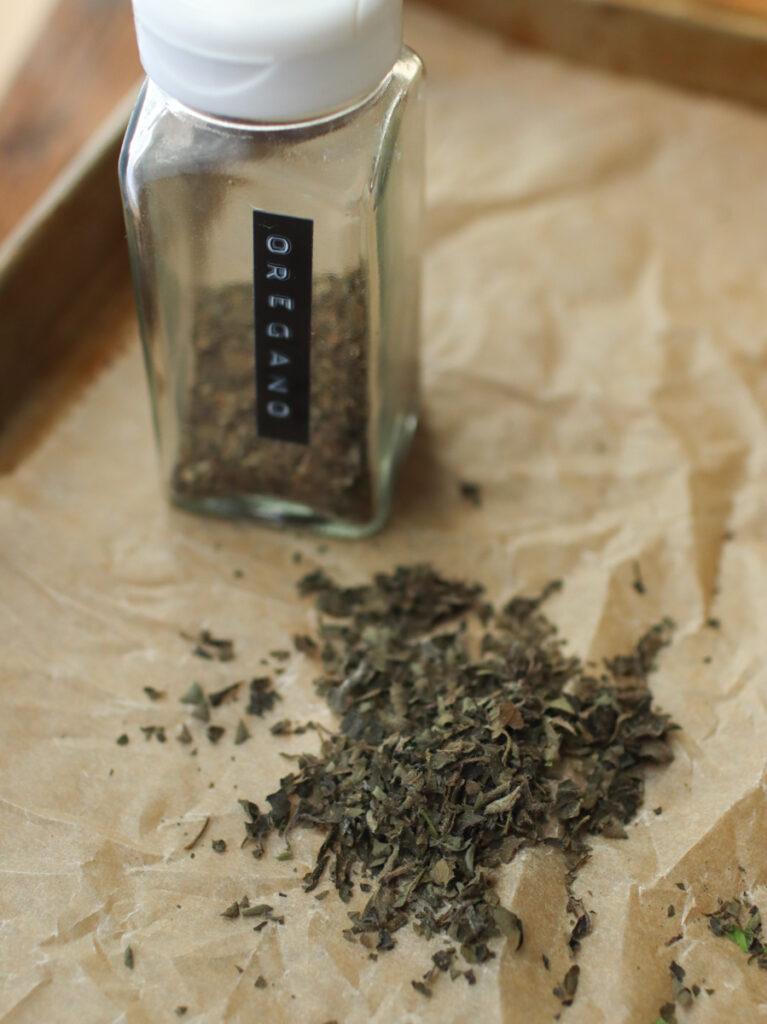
pixel 220 453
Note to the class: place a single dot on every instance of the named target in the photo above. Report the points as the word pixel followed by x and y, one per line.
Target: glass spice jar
pixel 272 179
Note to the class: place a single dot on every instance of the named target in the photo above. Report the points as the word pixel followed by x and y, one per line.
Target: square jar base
pixel 279 512
pixel 284 514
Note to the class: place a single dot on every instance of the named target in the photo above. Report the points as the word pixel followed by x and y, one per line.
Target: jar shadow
pixel 423 481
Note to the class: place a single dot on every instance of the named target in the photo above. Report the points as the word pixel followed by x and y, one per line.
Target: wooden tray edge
pixel 71 237
pixel 721 54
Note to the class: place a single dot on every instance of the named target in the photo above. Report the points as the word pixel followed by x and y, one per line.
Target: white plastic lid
pixel 268 60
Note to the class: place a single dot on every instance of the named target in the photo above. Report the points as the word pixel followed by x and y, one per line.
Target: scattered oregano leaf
pixel 262 697
pixel 210 647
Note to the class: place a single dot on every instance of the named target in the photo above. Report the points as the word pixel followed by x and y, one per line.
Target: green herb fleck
pixel 242 735
pixel 194 695
pixel 183 735
pixel 739 937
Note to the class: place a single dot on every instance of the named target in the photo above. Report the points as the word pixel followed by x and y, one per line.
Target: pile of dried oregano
pixel 465 735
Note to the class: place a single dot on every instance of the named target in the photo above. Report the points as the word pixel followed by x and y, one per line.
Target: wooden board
pixel 21 24
pixel 718 47
pixel 80 67
pixel 60 217
pixel 697 9
pixel 727 13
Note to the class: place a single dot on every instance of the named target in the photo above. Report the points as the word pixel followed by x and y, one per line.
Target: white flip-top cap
pixel 268 60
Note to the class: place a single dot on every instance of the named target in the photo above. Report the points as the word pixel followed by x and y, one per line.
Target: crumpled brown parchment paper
pixel 594 356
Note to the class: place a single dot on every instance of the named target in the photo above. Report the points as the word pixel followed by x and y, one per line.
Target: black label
pixel 282 261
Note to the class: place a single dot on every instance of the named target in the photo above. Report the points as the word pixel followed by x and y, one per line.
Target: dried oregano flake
pixel 740 921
